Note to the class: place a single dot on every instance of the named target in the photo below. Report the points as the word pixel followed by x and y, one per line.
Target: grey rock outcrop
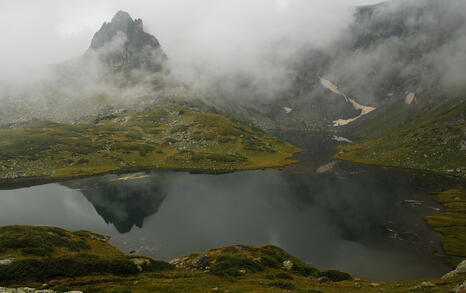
pixel 461 288
pixel 123 44
pixel 460 269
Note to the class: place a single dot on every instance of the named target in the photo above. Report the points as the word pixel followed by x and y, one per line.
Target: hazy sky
pixel 47 31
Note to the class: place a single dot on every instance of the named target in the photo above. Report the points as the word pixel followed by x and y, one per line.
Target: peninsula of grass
pixel 166 137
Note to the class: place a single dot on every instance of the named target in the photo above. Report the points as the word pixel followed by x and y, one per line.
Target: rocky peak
pixel 121 17
pixel 123 44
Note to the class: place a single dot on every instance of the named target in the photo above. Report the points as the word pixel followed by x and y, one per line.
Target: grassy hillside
pixel 435 140
pixel 93 265
pixel 382 121
pixel 452 224
pixel 168 136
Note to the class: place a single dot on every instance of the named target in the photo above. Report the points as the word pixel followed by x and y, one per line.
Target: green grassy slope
pixel 382 121
pixel 168 136
pixel 96 266
pixel 431 141
pixel 452 224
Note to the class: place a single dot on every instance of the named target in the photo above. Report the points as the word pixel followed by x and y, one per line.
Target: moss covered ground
pixel 169 137
pixel 452 224
pixel 79 260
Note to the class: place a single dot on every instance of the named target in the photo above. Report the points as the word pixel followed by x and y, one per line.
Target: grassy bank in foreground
pixel 434 141
pixel 80 260
pixel 452 225
pixel 167 137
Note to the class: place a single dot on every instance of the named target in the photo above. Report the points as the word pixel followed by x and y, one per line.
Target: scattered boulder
pixel 200 262
pixel 141 263
pixel 287 265
pixel 6 261
pixel 462 145
pixel 323 280
pixel 423 285
pixel 460 269
pixel 461 288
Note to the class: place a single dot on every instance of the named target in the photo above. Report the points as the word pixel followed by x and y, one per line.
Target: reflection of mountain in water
pixel 125 203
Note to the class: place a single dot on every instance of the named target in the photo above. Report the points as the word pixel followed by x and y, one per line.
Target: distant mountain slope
pixel 388 51
pixel 434 140
pixel 122 64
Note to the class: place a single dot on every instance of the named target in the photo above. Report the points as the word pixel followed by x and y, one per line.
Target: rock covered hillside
pixel 167 137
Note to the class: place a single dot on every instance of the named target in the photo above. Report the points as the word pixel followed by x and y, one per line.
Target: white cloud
pixel 215 31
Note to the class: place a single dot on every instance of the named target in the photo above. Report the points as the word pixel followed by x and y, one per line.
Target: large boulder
pixel 460 269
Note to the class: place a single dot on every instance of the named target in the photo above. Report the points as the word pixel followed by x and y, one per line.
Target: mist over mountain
pixel 386 51
pixel 122 64
pixel 389 50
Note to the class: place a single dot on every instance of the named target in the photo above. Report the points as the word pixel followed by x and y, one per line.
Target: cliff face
pixel 123 45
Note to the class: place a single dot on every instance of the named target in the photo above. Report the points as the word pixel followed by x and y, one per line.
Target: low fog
pixel 239 55
pixel 216 33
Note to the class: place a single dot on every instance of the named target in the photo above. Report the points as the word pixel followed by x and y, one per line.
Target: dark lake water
pixel 367 221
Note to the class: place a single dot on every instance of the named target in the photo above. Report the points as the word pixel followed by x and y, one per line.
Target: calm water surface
pixel 367 221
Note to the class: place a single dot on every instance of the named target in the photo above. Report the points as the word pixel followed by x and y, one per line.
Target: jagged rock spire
pixel 123 44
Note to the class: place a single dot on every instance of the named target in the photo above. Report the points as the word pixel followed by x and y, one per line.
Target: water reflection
pixel 354 219
pixel 123 201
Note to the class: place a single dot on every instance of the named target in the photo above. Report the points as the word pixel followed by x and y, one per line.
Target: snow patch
pixel 329 85
pixel 341 139
pixel 364 109
pixel 287 109
pixel 410 98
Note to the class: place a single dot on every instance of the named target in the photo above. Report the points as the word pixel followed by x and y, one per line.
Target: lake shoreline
pixel 28 181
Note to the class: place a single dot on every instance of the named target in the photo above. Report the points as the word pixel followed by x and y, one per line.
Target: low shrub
pixel 284 276
pixel 50 268
pixel 35 251
pixel 230 265
pixel 275 256
pixel 335 276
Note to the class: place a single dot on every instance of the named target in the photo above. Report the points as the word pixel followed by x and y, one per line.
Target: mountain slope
pixel 434 140
pixel 170 136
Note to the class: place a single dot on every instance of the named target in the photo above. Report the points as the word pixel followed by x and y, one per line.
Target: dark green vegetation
pixel 96 266
pixel 452 224
pixel 169 136
pixel 434 140
pixel 43 253
pixel 240 259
